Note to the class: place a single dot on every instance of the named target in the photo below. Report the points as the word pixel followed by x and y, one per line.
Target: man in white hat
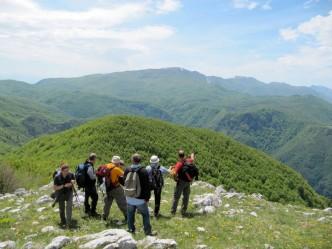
pixel 113 188
pixel 156 172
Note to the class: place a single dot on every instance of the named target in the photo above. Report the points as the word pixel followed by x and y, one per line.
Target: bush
pixel 8 181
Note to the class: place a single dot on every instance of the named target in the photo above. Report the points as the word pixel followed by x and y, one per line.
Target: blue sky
pixel 285 41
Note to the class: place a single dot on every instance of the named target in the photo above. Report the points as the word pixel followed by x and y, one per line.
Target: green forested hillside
pixel 221 159
pixel 22 119
pixel 244 108
pixel 310 146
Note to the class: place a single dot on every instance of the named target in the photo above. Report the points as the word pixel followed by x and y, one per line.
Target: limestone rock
pixel 257 197
pixel 201 184
pixel 28 245
pixel 201 247
pixel 7 244
pixel 207 210
pixel 220 190
pixel 44 199
pixel 41 209
pixel 329 209
pixel 253 214
pixel 21 192
pixel 207 200
pixel 111 238
pixel 58 242
pixel 155 243
pixel 48 229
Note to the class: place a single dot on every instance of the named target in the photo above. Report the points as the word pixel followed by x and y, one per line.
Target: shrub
pixel 8 181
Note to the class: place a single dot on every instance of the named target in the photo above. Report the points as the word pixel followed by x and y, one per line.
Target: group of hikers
pixel 130 187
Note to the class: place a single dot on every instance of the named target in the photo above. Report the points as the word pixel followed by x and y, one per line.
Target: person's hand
pixel 68 185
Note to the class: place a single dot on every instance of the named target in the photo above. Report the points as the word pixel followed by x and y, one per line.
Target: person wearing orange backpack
pixel 113 181
pixel 184 172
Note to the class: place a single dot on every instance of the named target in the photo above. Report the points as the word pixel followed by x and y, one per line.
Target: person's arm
pixel 149 170
pixel 164 170
pixel 91 173
pixel 146 184
pixel 57 186
pixel 192 156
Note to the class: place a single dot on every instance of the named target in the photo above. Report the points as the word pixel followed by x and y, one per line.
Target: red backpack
pixel 104 172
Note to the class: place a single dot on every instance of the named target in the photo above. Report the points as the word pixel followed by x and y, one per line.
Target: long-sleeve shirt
pixel 90 171
pixel 145 186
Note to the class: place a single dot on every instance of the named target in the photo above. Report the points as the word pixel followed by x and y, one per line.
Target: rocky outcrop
pixel 7 245
pixel 111 238
pixel 155 243
pixel 44 199
pixel 58 242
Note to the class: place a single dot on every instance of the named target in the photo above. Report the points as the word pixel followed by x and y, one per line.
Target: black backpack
pixel 157 178
pixel 189 169
pixel 81 175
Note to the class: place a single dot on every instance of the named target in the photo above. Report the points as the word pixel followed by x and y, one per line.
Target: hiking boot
pixel 63 224
pixel 154 233
pixel 157 215
pixel 95 215
pixel 131 231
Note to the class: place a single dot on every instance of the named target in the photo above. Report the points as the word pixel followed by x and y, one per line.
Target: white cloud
pixel 250 5
pixel 244 4
pixel 78 40
pixel 165 6
pixel 309 3
pixel 288 34
pixel 310 62
pixel 318 28
pixel 267 5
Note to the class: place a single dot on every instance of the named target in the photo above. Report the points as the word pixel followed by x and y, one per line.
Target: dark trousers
pixel 144 211
pixel 157 200
pixel 66 207
pixel 181 187
pixel 91 192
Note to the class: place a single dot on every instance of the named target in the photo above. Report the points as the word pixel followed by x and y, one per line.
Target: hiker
pixel 90 186
pixel 113 181
pixel 156 172
pixel 138 192
pixel 63 185
pixel 184 171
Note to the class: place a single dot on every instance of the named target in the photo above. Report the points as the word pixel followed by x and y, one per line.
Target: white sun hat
pixel 154 159
pixel 116 159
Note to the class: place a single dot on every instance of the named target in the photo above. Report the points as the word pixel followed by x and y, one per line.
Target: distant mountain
pixel 255 87
pixel 221 160
pixel 269 117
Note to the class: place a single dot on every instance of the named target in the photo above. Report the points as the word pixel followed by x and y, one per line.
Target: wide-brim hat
pixel 116 160
pixel 154 159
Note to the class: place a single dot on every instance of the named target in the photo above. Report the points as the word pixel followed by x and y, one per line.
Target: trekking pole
pixel 76 196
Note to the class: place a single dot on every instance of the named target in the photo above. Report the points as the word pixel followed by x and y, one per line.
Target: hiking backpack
pixel 103 172
pixel 157 178
pixel 132 186
pixel 188 172
pixel 81 175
